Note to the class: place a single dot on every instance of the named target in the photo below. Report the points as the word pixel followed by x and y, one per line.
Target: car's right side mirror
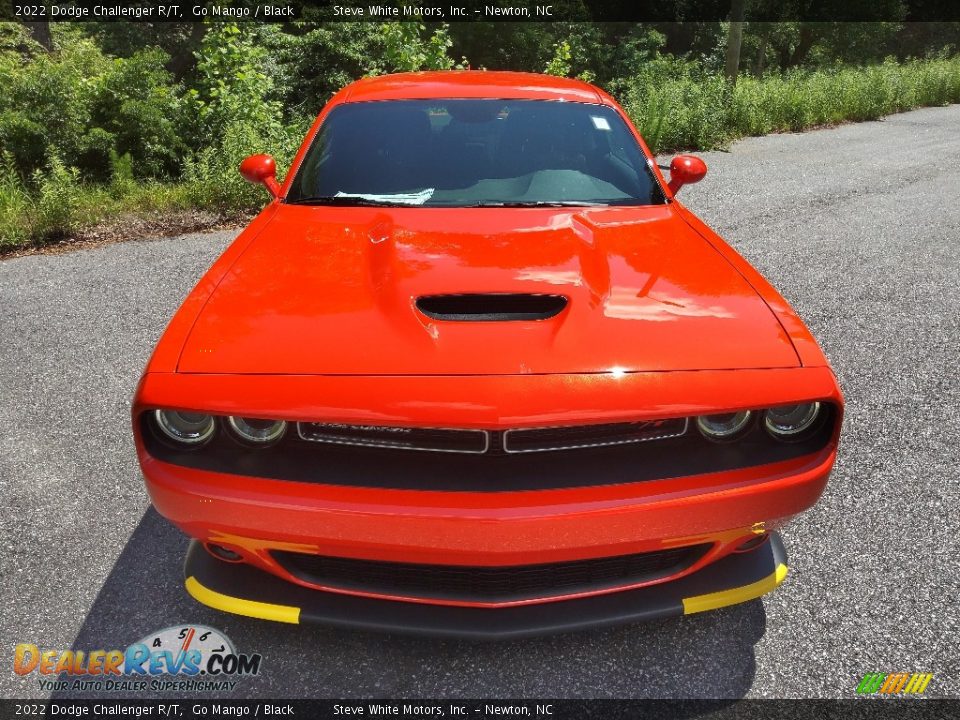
pixel 261 170
pixel 685 170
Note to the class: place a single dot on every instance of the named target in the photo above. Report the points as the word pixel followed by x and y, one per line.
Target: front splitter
pixel 244 590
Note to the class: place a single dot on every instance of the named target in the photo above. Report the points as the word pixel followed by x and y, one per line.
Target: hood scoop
pixel 491 307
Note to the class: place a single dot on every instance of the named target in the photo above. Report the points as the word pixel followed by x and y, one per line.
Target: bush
pixel 231 86
pixel 311 67
pixel 408 46
pixel 16 206
pixel 675 104
pixel 51 206
pixel 79 105
pixel 47 105
pixel 236 118
pixel 58 201
pixel 141 107
pixel 212 176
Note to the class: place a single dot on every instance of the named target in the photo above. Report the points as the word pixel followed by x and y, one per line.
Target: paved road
pixel 858 226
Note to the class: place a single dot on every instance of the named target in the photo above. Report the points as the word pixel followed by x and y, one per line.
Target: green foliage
pixel 675 105
pixel 56 203
pixel 316 61
pixel 16 204
pixel 53 204
pixel 140 108
pixel 560 64
pixel 234 117
pixel 212 177
pixel 47 106
pixel 632 50
pixel 79 105
pixel 132 119
pixel 407 46
pixel 58 198
pixel 230 86
pixel 14 36
pixel 580 50
pixel 122 182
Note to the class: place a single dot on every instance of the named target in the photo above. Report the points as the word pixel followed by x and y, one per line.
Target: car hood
pixel 327 290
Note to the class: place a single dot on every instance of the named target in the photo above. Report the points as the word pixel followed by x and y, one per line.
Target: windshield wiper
pixel 352 200
pixel 346 201
pixel 534 203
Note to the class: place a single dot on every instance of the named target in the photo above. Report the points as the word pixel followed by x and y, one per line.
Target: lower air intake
pixel 491 307
pixel 489 584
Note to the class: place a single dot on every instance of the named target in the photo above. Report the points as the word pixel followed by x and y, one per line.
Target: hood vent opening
pixel 491 307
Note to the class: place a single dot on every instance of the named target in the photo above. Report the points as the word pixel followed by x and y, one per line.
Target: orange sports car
pixel 475 370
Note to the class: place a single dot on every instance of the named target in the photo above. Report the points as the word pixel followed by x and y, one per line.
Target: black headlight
pixel 260 433
pixel 724 427
pixel 185 428
pixel 791 421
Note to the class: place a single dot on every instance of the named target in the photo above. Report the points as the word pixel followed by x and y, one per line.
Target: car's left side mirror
pixel 261 170
pixel 685 170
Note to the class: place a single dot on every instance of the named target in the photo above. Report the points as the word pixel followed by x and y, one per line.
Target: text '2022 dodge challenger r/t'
pixel 475 371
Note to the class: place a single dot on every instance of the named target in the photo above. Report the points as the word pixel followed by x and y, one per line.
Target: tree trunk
pixel 40 31
pixel 182 61
pixel 761 61
pixel 784 52
pixel 804 46
pixel 734 39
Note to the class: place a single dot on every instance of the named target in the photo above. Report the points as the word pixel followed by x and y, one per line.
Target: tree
pixel 408 46
pixel 40 31
pixel 734 39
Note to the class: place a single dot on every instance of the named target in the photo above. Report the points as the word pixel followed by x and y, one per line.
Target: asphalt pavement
pixel 857 226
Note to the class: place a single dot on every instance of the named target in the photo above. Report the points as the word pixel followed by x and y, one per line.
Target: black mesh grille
pixel 396 438
pixel 583 436
pixel 489 584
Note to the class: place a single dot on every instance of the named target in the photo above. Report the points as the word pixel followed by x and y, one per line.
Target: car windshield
pixel 474 153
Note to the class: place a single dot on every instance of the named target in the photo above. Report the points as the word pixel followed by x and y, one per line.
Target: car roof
pixel 470 84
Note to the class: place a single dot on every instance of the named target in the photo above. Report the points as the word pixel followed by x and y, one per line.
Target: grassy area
pixel 690 109
pixel 60 206
pixel 675 106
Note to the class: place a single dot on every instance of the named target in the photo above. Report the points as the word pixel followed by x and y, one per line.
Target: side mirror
pixel 261 170
pixel 685 170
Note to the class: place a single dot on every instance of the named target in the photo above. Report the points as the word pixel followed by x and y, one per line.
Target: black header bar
pixel 477 10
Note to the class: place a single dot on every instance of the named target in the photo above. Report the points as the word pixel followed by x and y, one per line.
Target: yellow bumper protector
pixel 239 606
pixel 711 601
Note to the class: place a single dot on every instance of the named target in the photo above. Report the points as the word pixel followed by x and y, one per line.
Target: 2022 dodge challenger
pixel 475 370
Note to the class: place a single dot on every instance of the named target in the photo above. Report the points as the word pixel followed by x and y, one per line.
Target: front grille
pixel 494 442
pixel 343 461
pixel 396 438
pixel 489 584
pixel 584 436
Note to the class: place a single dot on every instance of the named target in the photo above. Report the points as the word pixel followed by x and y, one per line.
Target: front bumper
pixel 245 590
pixel 258 517
pixel 255 517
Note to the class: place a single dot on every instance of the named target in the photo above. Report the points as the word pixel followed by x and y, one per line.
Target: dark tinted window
pixel 474 152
